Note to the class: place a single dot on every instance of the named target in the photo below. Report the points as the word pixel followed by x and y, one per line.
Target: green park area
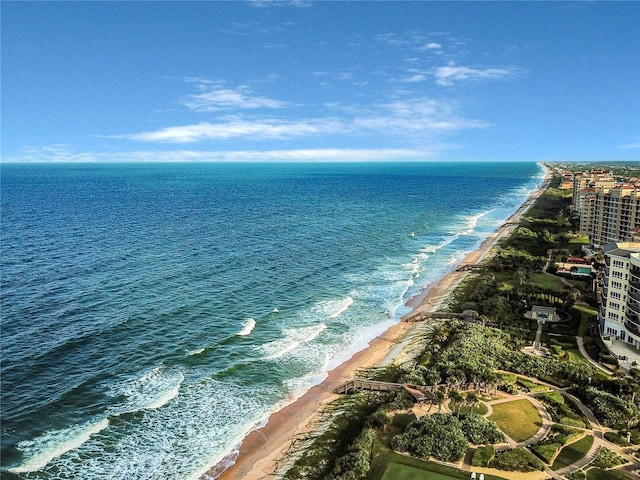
pixel 518 419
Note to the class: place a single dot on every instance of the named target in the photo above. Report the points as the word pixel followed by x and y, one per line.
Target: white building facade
pixel 619 314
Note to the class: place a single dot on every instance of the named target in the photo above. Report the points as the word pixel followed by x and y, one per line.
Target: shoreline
pixel 263 448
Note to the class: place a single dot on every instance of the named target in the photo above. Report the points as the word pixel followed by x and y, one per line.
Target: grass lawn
pixel 600 474
pixel 586 313
pixel 396 471
pixel 390 465
pixel 480 409
pixel 547 281
pixel 519 419
pixel 573 452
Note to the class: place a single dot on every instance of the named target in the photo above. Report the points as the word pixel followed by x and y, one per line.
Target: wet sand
pixel 263 448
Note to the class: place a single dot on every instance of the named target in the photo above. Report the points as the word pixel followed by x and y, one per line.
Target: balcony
pixel 634 319
pixel 634 295
pixel 632 330
pixel 634 308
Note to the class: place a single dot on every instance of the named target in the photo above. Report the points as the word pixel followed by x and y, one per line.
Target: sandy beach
pixel 263 448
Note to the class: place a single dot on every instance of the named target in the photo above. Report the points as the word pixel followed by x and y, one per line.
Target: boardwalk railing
pixel 420 316
pixel 358 385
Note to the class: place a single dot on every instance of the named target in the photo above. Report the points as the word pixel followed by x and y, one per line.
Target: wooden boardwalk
pixel 357 385
pixel 419 392
pixel 420 316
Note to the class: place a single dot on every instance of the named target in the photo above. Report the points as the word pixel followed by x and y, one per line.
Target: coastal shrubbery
pixel 610 409
pixel 445 437
pixel 343 448
pixel 518 460
pixel 478 430
pixel 439 436
pixel 357 462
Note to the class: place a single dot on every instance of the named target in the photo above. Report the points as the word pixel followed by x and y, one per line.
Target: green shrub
pixel 577 475
pixel 439 436
pixel 356 463
pixel 608 459
pixel 479 430
pixel 518 460
pixel 483 456
pixel 546 452
pixel 613 437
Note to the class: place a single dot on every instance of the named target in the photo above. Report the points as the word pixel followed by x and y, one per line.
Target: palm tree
pixel 456 397
pixel 472 400
pixel 439 396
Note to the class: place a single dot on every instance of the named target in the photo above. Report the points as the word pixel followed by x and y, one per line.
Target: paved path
pixel 598 433
pixel 585 354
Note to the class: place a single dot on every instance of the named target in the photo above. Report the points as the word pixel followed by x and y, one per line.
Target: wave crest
pixel 247 327
pixel 52 444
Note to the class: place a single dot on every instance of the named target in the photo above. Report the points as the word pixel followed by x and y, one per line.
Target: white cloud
pixel 66 154
pixel 452 73
pixel 215 98
pixel 431 46
pixel 406 119
pixel 417 77
pixel 280 3
pixel 630 146
pixel 267 129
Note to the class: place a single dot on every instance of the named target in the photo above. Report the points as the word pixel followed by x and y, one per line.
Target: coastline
pixel 263 448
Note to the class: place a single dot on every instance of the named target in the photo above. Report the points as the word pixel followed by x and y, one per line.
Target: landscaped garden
pixel 572 453
pixel 519 419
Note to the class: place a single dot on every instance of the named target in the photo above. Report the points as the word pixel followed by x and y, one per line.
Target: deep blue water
pixel 152 314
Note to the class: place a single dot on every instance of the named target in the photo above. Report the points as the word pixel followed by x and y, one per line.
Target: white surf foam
pixel 472 222
pixel 195 352
pixel 294 337
pixel 336 308
pixel 247 327
pixel 52 444
pixel 150 391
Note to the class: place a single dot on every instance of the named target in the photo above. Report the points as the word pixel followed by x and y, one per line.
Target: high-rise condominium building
pixel 619 313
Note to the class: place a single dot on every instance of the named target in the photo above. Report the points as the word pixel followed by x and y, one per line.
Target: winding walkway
pixel 547 423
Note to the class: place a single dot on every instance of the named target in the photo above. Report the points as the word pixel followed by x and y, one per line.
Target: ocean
pixel 153 314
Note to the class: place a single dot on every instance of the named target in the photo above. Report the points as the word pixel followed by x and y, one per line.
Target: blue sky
pixel 331 81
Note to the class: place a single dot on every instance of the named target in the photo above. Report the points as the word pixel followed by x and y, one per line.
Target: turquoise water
pixel 154 314
pixel 583 271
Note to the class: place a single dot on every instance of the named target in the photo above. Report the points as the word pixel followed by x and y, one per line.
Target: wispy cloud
pixel 266 129
pixel 280 3
pixel 430 46
pixel 403 119
pixel 214 97
pixel 66 154
pixel 450 74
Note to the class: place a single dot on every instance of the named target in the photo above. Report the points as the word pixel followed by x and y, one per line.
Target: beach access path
pixel 263 449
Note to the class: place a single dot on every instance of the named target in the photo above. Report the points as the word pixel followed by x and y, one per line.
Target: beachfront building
pixel 619 315
pixel 590 179
pixel 615 215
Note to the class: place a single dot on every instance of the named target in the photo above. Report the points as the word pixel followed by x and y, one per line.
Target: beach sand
pixel 263 448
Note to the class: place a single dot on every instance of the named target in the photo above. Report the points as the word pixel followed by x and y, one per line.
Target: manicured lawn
pixel 599 474
pixel 396 471
pixel 572 453
pixel 585 314
pixel 519 419
pixel 479 409
pixel 547 281
pixel 389 465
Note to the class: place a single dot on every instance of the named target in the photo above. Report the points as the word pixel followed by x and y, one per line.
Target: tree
pixel 472 400
pixel 439 397
pixel 456 397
